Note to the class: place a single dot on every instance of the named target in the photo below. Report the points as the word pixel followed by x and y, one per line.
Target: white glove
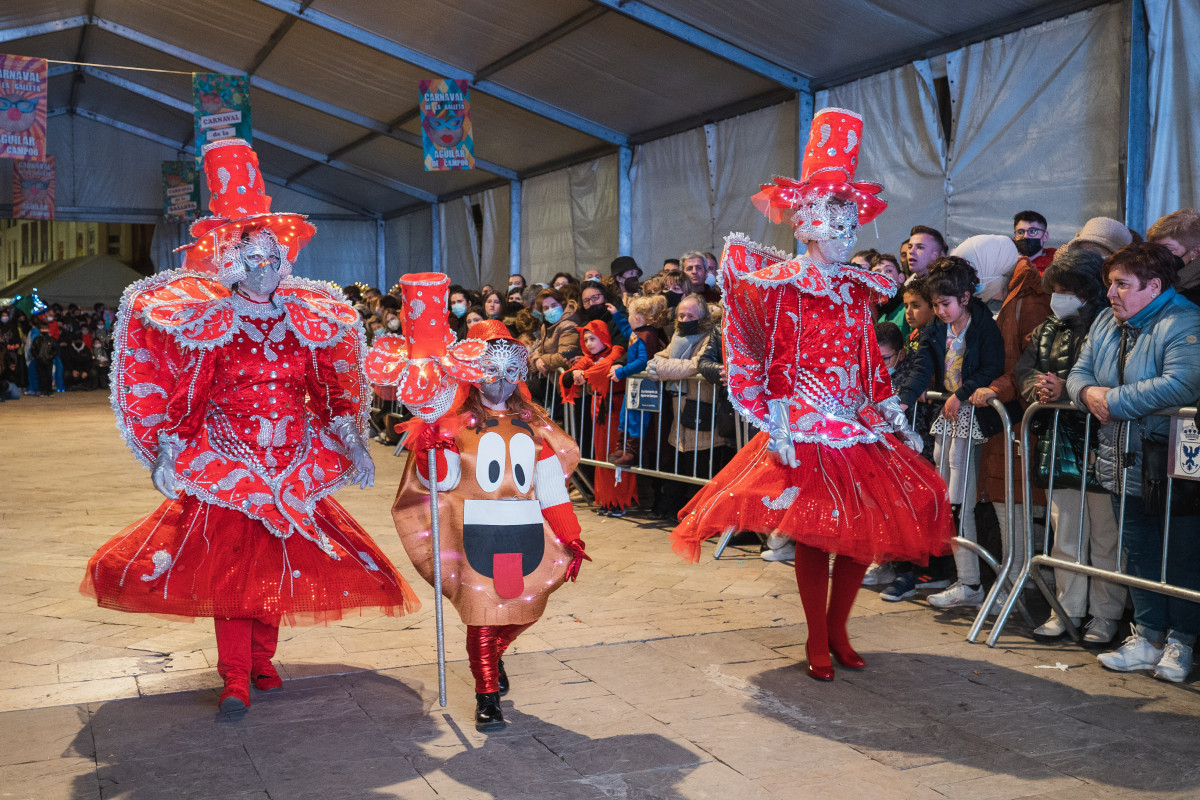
pixel 364 467
pixel 163 471
pixel 780 438
pixel 896 417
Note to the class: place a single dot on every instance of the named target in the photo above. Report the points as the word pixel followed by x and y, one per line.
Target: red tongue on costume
pixel 506 575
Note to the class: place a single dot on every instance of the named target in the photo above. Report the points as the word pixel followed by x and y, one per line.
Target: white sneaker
pixel 784 552
pixel 1053 628
pixel 959 594
pixel 1136 653
pixel 1100 631
pixel 1176 662
pixel 880 575
pixel 1001 599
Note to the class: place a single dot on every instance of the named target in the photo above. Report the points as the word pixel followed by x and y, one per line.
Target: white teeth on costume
pixel 162 563
pixel 785 499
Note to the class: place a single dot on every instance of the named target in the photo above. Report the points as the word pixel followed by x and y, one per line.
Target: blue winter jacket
pixel 1162 371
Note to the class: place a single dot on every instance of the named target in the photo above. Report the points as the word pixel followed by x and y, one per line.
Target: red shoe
pixel 846 656
pixel 265 677
pixel 236 697
pixel 818 673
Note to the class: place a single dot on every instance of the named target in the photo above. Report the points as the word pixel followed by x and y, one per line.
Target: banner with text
pixel 23 84
pixel 221 105
pixel 181 191
pixel 446 125
pixel 33 189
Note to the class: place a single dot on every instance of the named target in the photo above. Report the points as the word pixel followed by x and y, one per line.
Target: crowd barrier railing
pixel 1033 564
pixel 1000 568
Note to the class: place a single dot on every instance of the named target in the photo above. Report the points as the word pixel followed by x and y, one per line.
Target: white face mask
pixel 1065 305
pixel 393 324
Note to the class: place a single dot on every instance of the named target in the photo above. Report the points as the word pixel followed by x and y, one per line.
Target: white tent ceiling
pixel 554 82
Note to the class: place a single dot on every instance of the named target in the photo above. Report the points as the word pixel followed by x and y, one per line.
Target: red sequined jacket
pixel 250 391
pixel 798 331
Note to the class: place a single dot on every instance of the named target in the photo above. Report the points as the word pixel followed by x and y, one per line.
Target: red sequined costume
pixel 832 468
pixel 238 401
pixel 794 331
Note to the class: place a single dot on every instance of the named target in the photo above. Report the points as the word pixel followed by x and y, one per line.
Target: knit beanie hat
pixel 1104 232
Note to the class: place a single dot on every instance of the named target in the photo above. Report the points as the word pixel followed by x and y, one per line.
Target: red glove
pixel 576 546
pixel 432 436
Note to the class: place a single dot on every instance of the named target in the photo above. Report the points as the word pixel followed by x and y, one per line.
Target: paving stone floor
pixel 648 678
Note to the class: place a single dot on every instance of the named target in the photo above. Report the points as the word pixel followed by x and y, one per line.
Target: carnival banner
pixel 23 84
pixel 221 105
pixel 446 125
pixel 33 189
pixel 181 191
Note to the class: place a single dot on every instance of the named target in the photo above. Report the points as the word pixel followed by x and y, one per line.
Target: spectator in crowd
pixel 1179 232
pixel 1030 234
pixel 527 327
pixel 591 373
pixel 646 317
pixel 474 314
pixel 1140 356
pixel 516 299
pixel 78 365
pixel 558 344
pixel 904 256
pixel 517 281
pixel 44 351
pixel 671 263
pixel 893 310
pixel 626 272
pixel 994 258
pixel 862 259
pixel 925 245
pixel 598 303
pixel 1102 235
pixel 713 270
pixel 562 280
pixel 918 309
pixel 674 286
pixel 962 351
pixel 680 360
pixel 593 274
pixel 493 305
pixel 1076 297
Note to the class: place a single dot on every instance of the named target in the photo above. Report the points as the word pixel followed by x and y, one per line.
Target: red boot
pixel 233 662
pixel 264 637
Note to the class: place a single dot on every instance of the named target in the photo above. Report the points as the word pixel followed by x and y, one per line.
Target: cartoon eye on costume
pixel 489 464
pixel 523 458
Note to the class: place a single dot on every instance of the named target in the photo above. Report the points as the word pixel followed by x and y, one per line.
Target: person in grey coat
pixel 1141 356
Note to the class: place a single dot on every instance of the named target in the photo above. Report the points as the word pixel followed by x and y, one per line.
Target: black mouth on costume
pixel 481 542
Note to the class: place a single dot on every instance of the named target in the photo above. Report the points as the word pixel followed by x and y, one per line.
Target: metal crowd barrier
pixel 1030 566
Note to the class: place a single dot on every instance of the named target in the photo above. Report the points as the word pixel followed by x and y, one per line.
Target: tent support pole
pixel 514 228
pixel 1138 117
pixel 625 204
pixel 381 255
pixel 435 226
pixel 804 118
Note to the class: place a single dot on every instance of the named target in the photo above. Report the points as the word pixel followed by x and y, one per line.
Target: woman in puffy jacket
pixel 1141 357
pixel 1076 297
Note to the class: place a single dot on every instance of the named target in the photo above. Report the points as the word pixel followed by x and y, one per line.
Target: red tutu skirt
pixel 193 559
pixel 872 502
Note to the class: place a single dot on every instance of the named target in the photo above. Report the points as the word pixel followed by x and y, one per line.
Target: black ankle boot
pixel 487 712
pixel 503 679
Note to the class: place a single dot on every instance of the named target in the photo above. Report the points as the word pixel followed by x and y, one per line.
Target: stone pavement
pixel 647 678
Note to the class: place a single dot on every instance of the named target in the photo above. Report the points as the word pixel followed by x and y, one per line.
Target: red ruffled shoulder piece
pixel 194 309
pixel 316 312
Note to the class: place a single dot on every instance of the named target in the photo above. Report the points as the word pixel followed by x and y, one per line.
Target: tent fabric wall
pixel 547 241
pixel 343 252
pixel 460 248
pixel 409 245
pixel 594 210
pixel 1173 155
pixel 693 189
pixel 1038 122
pixel 495 236
pixel 474 254
pixel 901 149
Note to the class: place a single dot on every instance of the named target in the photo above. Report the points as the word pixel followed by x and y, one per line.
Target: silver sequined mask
pixel 257 261
pixel 826 218
pixel 505 364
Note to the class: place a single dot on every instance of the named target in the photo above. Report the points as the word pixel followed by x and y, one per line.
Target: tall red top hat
pixel 830 160
pixel 425 364
pixel 238 200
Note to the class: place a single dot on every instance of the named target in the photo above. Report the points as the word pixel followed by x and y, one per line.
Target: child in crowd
pixel 918 309
pixel 606 399
pixel 961 351
pixel 646 316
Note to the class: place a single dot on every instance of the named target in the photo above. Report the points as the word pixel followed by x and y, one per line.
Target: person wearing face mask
pixel 243 390
pixel 1077 297
pixel 833 468
pixel 627 274
pixel 460 301
pixel 1030 234
pixel 559 342
pixel 1179 232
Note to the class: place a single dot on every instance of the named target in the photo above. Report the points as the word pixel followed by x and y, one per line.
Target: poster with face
pixel 181 191
pixel 221 107
pixel 33 189
pixel 23 84
pixel 446 125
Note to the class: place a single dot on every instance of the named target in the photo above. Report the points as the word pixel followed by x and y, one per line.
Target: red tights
pixel 826 624
pixel 242 644
pixel 485 647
